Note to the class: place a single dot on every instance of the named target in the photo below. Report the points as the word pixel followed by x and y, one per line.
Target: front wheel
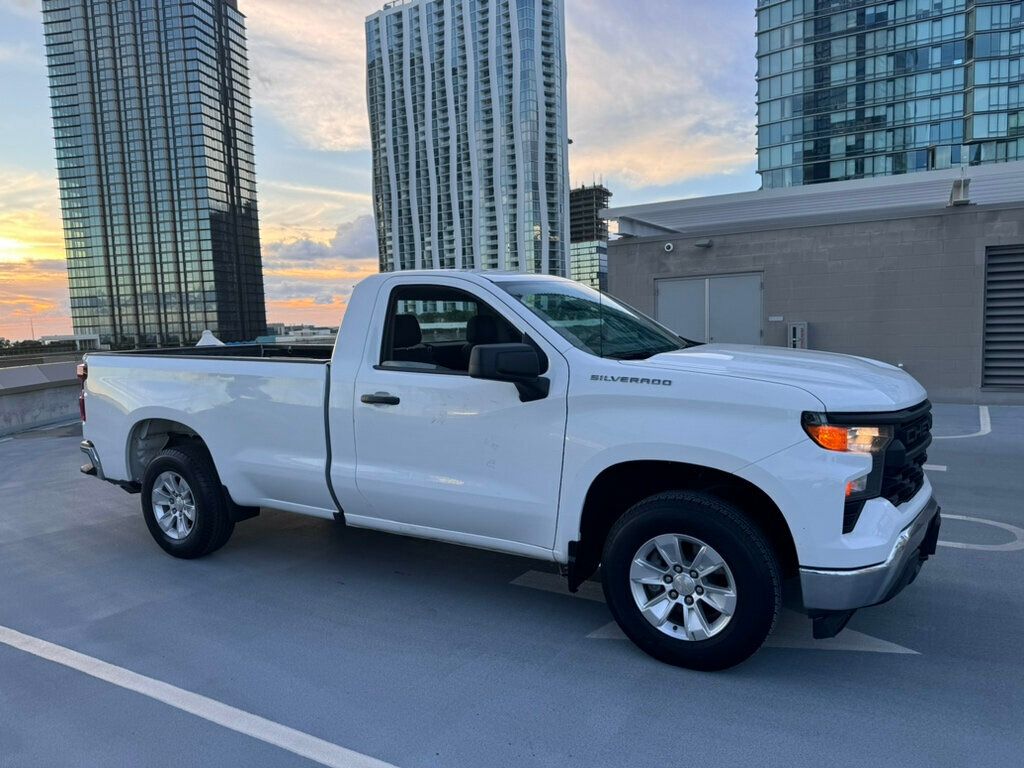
pixel 691 580
pixel 184 505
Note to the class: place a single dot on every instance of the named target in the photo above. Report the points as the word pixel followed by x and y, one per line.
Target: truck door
pixel 439 453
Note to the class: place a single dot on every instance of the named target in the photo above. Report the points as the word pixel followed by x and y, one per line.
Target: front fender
pixel 575 486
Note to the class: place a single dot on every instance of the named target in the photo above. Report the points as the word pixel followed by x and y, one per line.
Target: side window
pixel 434 328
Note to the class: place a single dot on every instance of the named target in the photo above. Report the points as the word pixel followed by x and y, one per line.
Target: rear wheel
pixel 691 581
pixel 183 503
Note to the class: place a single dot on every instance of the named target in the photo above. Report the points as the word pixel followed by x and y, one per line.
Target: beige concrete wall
pixel 37 395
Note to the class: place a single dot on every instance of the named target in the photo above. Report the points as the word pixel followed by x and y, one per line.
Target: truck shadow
pixel 486 592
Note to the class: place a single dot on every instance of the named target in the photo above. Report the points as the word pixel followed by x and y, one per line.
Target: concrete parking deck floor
pixel 422 654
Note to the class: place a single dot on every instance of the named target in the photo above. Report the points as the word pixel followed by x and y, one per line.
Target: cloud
pixel 310 280
pixel 660 91
pixel 672 98
pixel 25 8
pixel 306 311
pixel 20 54
pixel 308 62
pixel 291 211
pixel 33 297
pixel 30 208
pixel 20 188
pixel 356 239
pixel 21 306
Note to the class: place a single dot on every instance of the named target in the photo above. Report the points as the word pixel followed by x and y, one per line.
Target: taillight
pixel 82 372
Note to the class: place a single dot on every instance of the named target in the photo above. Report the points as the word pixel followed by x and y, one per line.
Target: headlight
pixel 836 437
pixel 831 434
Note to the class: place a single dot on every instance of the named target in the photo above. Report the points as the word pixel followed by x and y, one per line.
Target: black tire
pixel 745 550
pixel 213 525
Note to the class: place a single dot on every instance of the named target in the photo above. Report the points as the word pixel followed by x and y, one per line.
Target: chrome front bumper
pixel 846 590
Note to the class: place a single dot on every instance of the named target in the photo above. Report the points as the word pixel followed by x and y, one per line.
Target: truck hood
pixel 840 382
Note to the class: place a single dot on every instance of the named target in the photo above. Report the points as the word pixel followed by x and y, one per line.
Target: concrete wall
pixel 907 291
pixel 37 396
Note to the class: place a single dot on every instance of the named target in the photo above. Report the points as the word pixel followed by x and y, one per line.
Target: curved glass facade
pixel 153 134
pixel 856 88
pixel 468 132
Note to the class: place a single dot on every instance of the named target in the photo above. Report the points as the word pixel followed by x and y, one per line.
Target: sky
pixel 661 106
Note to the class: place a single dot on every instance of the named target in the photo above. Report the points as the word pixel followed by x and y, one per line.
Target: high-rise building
pixel 467 104
pixel 153 129
pixel 855 88
pixel 588 236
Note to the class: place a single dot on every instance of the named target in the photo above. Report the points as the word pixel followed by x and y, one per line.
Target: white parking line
pixel 281 736
pixel 793 630
pixel 984 426
pixel 1012 546
pixel 935 467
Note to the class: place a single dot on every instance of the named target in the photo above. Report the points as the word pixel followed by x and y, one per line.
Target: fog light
pixel 857 486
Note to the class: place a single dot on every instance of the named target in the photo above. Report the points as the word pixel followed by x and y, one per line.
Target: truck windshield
pixel 594 322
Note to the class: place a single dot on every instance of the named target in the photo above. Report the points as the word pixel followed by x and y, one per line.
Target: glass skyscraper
pixel 153 130
pixel 467 105
pixel 855 88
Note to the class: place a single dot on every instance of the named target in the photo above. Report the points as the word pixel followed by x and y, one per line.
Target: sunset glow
pixel 674 122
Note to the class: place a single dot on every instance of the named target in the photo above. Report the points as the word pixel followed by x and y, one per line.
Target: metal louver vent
pixel 1004 317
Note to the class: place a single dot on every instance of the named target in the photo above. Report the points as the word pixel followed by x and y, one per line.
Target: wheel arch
pixel 149 436
pixel 621 485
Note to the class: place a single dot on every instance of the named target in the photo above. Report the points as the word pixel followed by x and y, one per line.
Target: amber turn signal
pixel 829 437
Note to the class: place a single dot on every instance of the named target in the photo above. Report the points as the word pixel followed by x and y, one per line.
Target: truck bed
pixel 259 407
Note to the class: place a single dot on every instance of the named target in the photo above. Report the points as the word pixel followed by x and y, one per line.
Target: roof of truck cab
pixel 491 275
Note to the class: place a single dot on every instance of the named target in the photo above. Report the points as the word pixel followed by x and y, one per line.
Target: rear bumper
pixel 93 467
pixel 849 589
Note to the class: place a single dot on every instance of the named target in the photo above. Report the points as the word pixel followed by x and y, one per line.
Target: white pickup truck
pixel 532 415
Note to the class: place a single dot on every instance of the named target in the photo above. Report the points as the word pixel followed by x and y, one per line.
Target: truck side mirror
pixel 514 363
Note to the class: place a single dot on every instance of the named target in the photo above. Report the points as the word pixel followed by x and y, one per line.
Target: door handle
pixel 380 398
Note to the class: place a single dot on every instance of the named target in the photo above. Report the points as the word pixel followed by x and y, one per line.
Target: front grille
pixel 905 456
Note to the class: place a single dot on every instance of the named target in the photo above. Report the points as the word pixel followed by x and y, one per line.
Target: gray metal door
pixel 722 308
pixel 682 306
pixel 734 308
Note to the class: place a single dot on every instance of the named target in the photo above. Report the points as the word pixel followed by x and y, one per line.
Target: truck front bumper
pixel 826 591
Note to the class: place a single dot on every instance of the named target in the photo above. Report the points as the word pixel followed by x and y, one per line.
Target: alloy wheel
pixel 683 587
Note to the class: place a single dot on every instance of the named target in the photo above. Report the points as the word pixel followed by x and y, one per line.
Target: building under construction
pixel 588 235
